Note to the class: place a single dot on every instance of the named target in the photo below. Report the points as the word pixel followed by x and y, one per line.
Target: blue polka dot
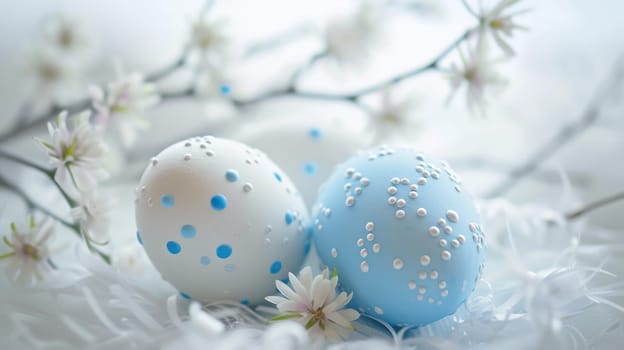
pixel 278 177
pixel 225 89
pixel 315 133
pixel 173 247
pixel 218 202
pixel 310 168
pixel 224 251
pixel 204 260
pixel 289 218
pixel 245 302
pixel 185 296
pixel 167 200
pixel 188 231
pixel 231 175
pixel 138 235
pixel 276 267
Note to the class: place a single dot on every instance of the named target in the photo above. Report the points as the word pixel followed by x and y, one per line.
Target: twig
pixel 566 134
pixel 169 69
pixel 595 205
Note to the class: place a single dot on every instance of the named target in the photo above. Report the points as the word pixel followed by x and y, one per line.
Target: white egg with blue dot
pixel 403 234
pixel 219 220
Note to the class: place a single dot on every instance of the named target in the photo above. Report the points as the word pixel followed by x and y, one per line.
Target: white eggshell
pixel 220 220
pixel 307 148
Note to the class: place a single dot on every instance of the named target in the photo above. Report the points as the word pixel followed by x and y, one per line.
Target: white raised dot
pixel 442 284
pixel 154 161
pixel 363 252
pixel 392 200
pixel 434 231
pixel 405 181
pixel 421 212
pixel 401 203
pixel 395 181
pixel 420 169
pixel 360 242
pixel 411 284
pixel 420 156
pixel 357 176
pixel 452 215
pixel 370 226
pixel 349 172
pixel 433 274
pixel 347 187
pixel 457 188
pixel 413 194
pixel 350 201
pixel 444 293
pixel 357 190
pixel 455 243
pixel 334 252
pixel 448 229
pixel 472 227
pixel 441 222
pixel 378 310
pixel 425 260
pixel 365 181
pixel 247 187
pixel 422 290
pixel 209 153
pixel 188 144
pixel 414 187
pixel 319 227
pixel 443 243
pixel 188 156
pixel 430 300
pixel 475 237
pixel 446 255
pixel 425 173
pixel 364 266
pixel 400 213
pixel 392 190
pixel 422 275
pixel 397 264
pixel 422 181
pixel 327 212
pixel 370 237
pixel 376 247
pixel 461 239
pixel 419 297
pixel 435 175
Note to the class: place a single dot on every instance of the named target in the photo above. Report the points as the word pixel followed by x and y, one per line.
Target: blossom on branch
pixel 210 40
pixel 93 215
pixel 312 301
pixel 77 154
pixel 349 39
pixel 66 36
pixel 476 72
pixel 497 23
pixel 28 259
pixel 124 103
pixel 394 117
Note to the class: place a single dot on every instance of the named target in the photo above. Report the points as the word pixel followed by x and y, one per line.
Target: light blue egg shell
pixel 402 233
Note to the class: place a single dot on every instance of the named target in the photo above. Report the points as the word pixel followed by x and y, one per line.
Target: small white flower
pixel 210 40
pixel 53 79
pixel 476 73
pixel 123 103
pixel 130 260
pixel 497 23
pixel 28 258
pixel 394 117
pixel 65 35
pixel 77 154
pixel 93 215
pixel 313 302
pixel 349 39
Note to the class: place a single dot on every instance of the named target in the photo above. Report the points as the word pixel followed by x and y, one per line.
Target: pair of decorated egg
pixel 220 220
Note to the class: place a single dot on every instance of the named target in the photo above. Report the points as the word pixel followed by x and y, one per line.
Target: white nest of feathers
pixel 546 285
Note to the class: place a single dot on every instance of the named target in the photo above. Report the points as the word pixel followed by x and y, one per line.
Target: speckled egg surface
pixel 220 220
pixel 405 237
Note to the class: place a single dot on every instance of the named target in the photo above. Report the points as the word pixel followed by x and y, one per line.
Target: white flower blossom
pixel 130 259
pixel 77 154
pixel 210 40
pixel 124 103
pixel 93 215
pixel 66 35
pixel 497 23
pixel 312 301
pixel 476 72
pixel 28 259
pixel 53 79
pixel 350 39
pixel 394 117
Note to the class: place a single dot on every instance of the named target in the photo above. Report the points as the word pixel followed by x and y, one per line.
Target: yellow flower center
pixel 390 118
pixel 497 24
pixel 66 38
pixel 31 252
pixel 48 72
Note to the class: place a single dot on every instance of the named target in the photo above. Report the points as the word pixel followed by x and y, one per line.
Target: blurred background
pixel 550 133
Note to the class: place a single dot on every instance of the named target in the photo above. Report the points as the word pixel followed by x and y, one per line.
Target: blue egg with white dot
pixel 220 220
pixel 403 234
